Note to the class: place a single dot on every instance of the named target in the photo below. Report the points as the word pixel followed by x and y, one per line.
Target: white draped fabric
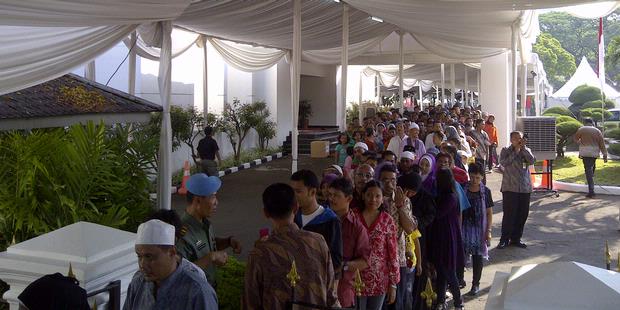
pixel 592 10
pixel 80 13
pixel 148 51
pixel 164 168
pixel 246 57
pixel 333 55
pixel 33 55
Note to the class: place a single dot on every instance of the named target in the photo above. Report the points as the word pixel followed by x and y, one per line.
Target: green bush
pixel 564 119
pixel 583 94
pixel 614 149
pixel 609 104
pixel 613 133
pixel 596 114
pixel 565 131
pixel 557 110
pixel 230 280
pixel 51 178
pixel 611 126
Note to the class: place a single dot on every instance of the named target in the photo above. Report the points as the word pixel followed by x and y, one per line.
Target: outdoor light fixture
pixel 377 19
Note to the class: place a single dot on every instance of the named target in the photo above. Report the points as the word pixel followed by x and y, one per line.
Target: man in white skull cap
pixel 165 281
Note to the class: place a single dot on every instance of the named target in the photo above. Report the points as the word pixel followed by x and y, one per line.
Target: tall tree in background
pixel 559 64
pixel 612 57
pixel 580 36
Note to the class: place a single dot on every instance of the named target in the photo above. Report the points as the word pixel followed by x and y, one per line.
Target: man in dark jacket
pixel 316 218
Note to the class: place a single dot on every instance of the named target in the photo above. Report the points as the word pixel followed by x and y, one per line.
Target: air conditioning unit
pixel 540 132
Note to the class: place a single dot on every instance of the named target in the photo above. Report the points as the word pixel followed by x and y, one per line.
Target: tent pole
pixel 421 94
pixel 466 89
pixel 452 85
pixel 477 88
pixel 401 60
pixel 522 111
pixel 344 65
pixel 537 95
pixel 295 79
pixel 514 80
pixel 165 143
pixel 436 94
pixel 90 71
pixel 205 78
pixel 443 83
pixel 131 81
pixel 360 106
pixel 378 82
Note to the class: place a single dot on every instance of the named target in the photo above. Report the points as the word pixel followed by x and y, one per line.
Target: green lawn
pixel 570 169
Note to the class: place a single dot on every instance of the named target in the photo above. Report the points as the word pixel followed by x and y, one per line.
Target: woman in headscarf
pixel 427 171
pixel 453 134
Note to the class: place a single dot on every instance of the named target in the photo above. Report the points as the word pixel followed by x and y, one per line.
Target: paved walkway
pixel 568 228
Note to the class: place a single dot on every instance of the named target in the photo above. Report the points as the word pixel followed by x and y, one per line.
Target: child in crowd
pixel 340 155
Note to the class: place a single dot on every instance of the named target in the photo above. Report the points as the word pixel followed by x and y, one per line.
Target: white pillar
pixel 513 93
pixel 495 95
pixel 295 79
pixel 436 93
pixel 443 83
pixel 205 77
pixel 165 142
pixel 90 71
pixel 452 85
pixel 466 89
pixel 522 111
pixel 378 82
pixel 401 60
pixel 421 95
pixel 537 95
pixel 477 88
pixel 359 102
pixel 344 66
pixel 131 80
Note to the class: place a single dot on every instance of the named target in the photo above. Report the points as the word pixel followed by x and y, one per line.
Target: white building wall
pixel 284 110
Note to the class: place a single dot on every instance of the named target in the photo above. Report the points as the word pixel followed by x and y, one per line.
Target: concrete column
pixel 401 60
pixel 495 95
pixel 466 89
pixel 452 85
pixel 344 62
pixel 522 111
pixel 443 83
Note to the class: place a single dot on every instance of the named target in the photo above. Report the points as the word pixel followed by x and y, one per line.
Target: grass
pixel 570 169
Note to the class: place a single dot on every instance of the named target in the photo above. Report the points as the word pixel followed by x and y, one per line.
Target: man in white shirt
pixel 591 144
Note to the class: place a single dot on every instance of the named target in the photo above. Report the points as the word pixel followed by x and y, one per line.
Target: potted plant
pixel 305 111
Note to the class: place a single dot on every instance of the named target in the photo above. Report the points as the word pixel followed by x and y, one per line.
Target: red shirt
pixel 355 244
pixel 383 266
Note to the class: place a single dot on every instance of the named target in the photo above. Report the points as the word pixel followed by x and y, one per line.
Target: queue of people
pixel 405 201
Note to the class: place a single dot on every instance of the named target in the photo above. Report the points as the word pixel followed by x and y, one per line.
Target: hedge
pixel 614 149
pixel 583 94
pixel 557 110
pixel 609 104
pixel 613 133
pixel 564 119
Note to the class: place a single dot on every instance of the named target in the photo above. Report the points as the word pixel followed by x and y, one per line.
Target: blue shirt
pixel 185 288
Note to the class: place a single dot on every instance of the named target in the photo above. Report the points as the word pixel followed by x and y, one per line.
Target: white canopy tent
pixel 555 286
pixel 584 75
pixel 43 39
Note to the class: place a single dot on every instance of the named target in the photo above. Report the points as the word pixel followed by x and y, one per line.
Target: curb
pixel 251 164
pixel 582 188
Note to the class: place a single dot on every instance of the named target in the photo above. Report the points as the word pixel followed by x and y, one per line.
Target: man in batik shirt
pixel 266 283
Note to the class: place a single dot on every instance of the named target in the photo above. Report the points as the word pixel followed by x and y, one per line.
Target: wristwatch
pixel 345 267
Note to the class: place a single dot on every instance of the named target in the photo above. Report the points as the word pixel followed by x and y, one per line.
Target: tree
pixel 580 36
pixel 236 121
pixel 559 64
pixel 609 104
pixel 612 57
pixel 265 128
pixel 558 110
pixel 582 94
pixel 565 131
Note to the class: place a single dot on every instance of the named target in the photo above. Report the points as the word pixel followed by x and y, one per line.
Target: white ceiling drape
pixel 332 55
pixel 246 57
pixel 33 55
pixel 592 10
pixel 78 13
pixel 145 50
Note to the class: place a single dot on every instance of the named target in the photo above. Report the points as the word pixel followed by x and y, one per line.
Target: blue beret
pixel 202 185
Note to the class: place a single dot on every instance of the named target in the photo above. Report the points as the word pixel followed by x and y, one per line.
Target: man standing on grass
pixel 591 144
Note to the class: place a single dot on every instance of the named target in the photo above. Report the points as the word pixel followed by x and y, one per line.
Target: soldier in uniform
pixel 198 242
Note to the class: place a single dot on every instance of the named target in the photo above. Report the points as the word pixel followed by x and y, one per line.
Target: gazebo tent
pixel 44 39
pixel 584 75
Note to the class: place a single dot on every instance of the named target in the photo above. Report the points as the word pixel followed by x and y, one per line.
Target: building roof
pixel 584 75
pixel 70 95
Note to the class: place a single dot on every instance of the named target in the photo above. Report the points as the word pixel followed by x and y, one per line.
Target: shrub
pixel 236 121
pixel 614 149
pixel 230 281
pixel 565 131
pixel 613 133
pixel 51 178
pixel 564 119
pixel 609 104
pixel 596 114
pixel 583 94
pixel 557 110
pixel 611 126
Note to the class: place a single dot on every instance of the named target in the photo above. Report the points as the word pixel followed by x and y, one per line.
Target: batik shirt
pixel 266 283
pixel 392 210
pixel 185 288
pixel 383 267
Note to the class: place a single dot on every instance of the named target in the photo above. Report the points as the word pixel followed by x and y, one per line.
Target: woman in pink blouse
pixel 382 274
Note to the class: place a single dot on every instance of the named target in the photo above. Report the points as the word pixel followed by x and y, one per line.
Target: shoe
pixel 462 284
pixel 475 289
pixel 502 245
pixel 590 195
pixel 519 244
